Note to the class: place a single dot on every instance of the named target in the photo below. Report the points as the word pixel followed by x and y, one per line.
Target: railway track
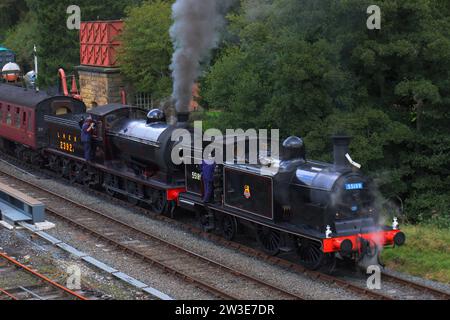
pixel 259 254
pixel 218 279
pixel 416 286
pixel 23 283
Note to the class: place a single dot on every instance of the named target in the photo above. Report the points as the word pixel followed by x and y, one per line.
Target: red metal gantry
pixel 99 42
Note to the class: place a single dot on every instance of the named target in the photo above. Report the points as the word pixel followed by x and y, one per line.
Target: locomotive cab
pixel 105 119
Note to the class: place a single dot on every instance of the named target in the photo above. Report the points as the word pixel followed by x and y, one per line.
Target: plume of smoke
pixel 381 204
pixel 194 34
pixel 257 9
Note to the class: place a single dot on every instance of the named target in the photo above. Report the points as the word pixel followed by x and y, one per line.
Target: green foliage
pixel 263 84
pixel 11 11
pixel 372 131
pixel 312 68
pixel 21 40
pixel 147 49
pixel 426 253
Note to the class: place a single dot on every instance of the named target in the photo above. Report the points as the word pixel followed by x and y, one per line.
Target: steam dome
pixel 293 148
pixel 156 115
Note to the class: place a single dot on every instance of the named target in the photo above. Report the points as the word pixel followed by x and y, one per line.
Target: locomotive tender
pixel 319 210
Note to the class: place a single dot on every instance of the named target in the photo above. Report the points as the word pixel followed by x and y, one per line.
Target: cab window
pixel 110 120
pixel 24 120
pixel 61 107
pixel 98 133
pixel 8 116
pixel 17 118
pixel 30 122
pixel 62 111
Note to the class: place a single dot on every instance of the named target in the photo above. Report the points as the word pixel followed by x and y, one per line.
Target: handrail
pixel 74 91
pixel 62 75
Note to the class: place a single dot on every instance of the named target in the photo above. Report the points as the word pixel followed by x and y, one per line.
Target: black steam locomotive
pixel 319 210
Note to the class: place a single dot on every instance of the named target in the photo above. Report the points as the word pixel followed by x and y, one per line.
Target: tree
pixel 57 45
pixel 312 68
pixel 405 68
pixel 11 12
pixel 146 50
pixel 21 39
pixel 273 78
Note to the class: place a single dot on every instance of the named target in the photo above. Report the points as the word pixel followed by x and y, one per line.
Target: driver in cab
pixel 87 130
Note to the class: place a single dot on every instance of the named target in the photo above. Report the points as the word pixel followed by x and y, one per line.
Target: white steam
pixel 194 34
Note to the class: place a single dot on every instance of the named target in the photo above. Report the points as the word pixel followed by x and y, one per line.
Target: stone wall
pixel 100 86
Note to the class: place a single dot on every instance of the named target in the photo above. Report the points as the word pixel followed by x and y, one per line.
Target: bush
pixel 146 51
pixel 429 207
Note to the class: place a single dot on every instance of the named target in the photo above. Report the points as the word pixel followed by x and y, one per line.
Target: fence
pixel 144 101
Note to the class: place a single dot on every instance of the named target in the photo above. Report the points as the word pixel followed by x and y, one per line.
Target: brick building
pixel 101 81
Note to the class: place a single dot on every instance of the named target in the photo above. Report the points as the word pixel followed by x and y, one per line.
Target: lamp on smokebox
pixel 395 224
pixel 328 232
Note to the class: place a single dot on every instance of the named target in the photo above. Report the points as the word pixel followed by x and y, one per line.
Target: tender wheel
pixel 54 163
pixel 95 179
pixel 75 172
pixel 269 239
pixel 159 203
pixel 229 227
pixel 310 253
pixel 111 181
pixel 87 177
pixel 111 192
pixel 20 153
pixel 133 200
pixel 65 169
pixel 132 189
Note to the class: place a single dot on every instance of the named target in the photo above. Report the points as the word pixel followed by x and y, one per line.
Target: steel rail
pixel 154 238
pixel 180 249
pixel 42 277
pixel 417 286
pixel 9 295
pixel 248 250
pixel 144 257
pixel 230 244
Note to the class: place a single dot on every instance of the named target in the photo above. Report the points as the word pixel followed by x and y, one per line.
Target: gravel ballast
pixel 296 283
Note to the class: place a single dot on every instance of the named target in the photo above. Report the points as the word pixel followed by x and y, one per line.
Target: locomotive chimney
pixel 340 149
pixel 182 118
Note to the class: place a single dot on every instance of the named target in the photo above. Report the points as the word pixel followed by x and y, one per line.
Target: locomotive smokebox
pixel 340 149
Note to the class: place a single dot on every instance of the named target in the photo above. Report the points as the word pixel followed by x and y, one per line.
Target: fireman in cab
pixel 208 167
pixel 87 131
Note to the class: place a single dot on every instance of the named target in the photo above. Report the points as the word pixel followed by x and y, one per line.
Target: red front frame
pixel 173 194
pixel 380 238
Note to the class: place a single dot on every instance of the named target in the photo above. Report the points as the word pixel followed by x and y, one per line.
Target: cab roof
pixel 25 97
pixel 21 96
pixel 102 111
